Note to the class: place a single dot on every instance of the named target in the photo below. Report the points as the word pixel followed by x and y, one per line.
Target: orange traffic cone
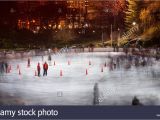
pixel 86 72
pixel 35 73
pixel 8 69
pixel 61 73
pixel 19 72
pixel 68 62
pixel 17 67
pixel 102 69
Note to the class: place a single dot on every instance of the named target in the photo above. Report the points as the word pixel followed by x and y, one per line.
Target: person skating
pixel 38 69
pixel 28 62
pixel 6 66
pixel 45 69
pixel 118 62
pixel 49 57
pixel 136 101
pixel 42 57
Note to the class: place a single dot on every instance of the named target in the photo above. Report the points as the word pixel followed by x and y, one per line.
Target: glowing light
pixel 38 27
pixel 44 27
pixel 134 23
pixel 70 26
pixel 33 21
pixel 86 25
pixel 59 26
pixel 50 25
pixel 34 32
pixel 54 27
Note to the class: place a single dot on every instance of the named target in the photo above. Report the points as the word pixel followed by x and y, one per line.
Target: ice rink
pixel 75 87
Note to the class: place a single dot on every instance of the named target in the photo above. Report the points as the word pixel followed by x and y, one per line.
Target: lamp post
pixel 111 37
pixel 118 37
pixel 102 37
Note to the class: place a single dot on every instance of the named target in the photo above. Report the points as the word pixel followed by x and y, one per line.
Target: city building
pixel 69 14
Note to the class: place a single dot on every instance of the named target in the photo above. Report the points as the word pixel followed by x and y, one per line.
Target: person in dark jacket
pixel 136 101
pixel 38 69
pixel 49 58
pixel 28 62
pixel 6 66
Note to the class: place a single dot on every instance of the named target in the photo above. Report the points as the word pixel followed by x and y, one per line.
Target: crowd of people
pixel 3 67
pixel 129 60
pixel 125 61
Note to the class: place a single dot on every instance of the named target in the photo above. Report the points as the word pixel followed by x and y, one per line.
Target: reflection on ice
pixel 122 78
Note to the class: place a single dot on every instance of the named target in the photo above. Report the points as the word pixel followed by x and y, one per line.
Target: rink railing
pixel 29 53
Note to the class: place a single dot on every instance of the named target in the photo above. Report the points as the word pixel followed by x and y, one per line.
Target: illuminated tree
pixel 150 22
pixel 103 12
pixel 148 16
pixel 132 13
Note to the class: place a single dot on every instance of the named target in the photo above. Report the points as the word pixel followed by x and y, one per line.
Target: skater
pixel 5 53
pixel 45 68
pixel 49 57
pixel 96 94
pixel 143 63
pixel 6 67
pixel 38 69
pixel 136 62
pixel 28 62
pixel 42 58
pixel 111 65
pixel 136 101
pixel 114 64
pixel 2 68
pixel 118 62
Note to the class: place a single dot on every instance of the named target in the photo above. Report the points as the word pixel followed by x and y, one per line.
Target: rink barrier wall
pixel 20 54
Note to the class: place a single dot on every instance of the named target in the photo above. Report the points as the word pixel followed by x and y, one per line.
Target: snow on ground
pixel 116 87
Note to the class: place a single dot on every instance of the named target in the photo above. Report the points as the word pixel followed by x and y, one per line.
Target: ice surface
pixel 117 87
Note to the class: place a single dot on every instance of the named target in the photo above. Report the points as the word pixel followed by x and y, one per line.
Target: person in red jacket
pixel 45 69
pixel 38 69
